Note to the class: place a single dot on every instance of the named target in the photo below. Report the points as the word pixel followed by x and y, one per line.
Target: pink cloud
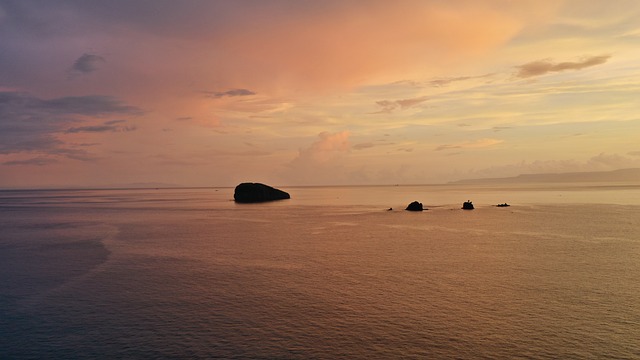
pixel 322 162
pixel 326 148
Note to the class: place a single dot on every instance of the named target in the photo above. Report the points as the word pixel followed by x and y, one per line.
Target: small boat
pixel 467 205
pixel 503 205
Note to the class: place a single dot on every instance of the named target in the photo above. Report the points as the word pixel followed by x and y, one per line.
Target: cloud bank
pixel 32 124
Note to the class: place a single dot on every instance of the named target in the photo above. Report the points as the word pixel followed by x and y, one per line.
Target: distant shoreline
pixel 525 186
pixel 615 178
pixel 631 175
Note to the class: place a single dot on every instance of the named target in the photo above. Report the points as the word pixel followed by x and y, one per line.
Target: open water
pixel 328 274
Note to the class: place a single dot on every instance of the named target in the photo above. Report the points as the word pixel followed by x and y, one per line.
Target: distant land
pixel 622 175
pixel 145 185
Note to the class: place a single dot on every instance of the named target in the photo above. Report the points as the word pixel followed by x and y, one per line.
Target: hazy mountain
pixel 622 175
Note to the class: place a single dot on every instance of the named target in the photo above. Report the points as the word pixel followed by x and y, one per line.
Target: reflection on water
pixel 328 274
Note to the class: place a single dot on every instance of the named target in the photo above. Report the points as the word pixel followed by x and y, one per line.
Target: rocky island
pixel 415 206
pixel 467 205
pixel 257 192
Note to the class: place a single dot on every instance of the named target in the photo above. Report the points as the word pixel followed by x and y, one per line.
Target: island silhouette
pixel 257 192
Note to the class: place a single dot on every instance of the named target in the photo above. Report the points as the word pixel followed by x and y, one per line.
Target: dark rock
pixel 467 205
pixel 256 192
pixel 414 206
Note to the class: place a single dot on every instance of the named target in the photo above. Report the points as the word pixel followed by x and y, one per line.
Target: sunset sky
pixel 213 93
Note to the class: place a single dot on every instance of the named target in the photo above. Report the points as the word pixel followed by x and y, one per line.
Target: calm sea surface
pixel 330 273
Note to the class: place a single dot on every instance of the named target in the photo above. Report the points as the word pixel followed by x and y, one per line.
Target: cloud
pixel 604 161
pixel 389 106
pixel 362 146
pixel 448 80
pixel 107 127
pixel 38 161
pixel 89 105
pixel 230 93
pixel 113 122
pixel 447 147
pixel 87 63
pixel 28 107
pixel 71 153
pixel 541 67
pixel 405 149
pixel 82 105
pixel 32 124
pixel 470 144
pixel 407 103
pixel 321 162
pixel 324 149
pixel 96 128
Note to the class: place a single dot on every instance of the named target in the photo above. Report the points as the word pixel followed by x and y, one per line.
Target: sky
pixel 291 92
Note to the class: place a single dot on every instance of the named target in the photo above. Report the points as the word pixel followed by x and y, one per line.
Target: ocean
pixel 332 273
